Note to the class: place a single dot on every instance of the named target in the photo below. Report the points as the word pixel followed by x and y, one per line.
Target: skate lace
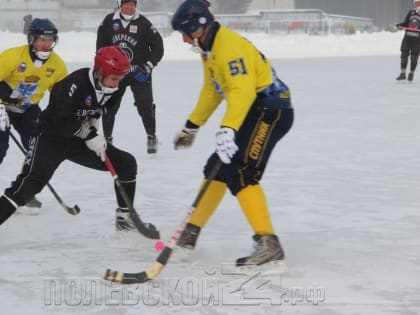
pixel 258 247
pixel 188 237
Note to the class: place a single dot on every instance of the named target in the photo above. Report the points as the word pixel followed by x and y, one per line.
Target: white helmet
pixel 119 2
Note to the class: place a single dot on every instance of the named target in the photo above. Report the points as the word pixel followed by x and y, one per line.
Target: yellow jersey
pixel 28 80
pixel 234 70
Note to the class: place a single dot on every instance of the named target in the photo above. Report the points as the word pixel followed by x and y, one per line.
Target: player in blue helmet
pixel 192 16
pixel 258 114
pixel 26 73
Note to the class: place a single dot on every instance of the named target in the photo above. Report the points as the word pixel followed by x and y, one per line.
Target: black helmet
pixel 191 16
pixel 41 27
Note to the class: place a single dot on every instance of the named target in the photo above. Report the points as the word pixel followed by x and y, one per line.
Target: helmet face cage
pixel 192 16
pixel 111 60
pixel 42 27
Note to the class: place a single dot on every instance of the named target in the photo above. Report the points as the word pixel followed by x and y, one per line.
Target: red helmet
pixel 111 60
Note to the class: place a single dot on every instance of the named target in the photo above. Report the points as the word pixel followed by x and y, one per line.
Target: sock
pixel 208 203
pixel 254 205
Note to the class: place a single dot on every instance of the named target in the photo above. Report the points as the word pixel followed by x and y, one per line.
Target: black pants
pixel 143 100
pixel 269 120
pixel 24 123
pixel 410 46
pixel 46 153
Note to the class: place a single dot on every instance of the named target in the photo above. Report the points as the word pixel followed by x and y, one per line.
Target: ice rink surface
pixel 343 187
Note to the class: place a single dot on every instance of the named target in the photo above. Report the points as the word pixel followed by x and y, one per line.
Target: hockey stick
pixel 156 268
pixel 409 29
pixel 145 229
pixel 71 210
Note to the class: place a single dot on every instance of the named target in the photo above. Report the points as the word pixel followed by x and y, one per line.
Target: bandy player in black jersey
pixel 67 130
pixel 135 34
pixel 410 45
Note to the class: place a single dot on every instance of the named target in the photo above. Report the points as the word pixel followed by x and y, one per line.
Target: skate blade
pixel 184 253
pixel 24 210
pixel 270 268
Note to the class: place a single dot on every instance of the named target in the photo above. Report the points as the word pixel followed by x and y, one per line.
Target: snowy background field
pixel 343 187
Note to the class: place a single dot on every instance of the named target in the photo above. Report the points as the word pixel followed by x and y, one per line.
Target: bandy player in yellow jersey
pixel 258 114
pixel 26 72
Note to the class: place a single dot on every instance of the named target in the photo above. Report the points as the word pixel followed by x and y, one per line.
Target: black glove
pixel 5 92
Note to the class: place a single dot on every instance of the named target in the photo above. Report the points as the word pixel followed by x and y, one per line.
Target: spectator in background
pixel 410 45
pixel 27 21
pixel 134 33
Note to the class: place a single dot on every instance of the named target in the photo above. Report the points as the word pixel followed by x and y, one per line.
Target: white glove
pixel 98 145
pixel 87 128
pixel 94 122
pixel 225 144
pixel 185 138
pixel 4 118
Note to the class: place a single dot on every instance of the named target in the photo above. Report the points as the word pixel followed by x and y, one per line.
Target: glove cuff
pixel 190 131
pixel 227 130
pixel 150 65
pixel 92 134
pixel 190 125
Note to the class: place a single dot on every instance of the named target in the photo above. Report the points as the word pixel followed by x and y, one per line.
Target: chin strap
pixel 42 55
pixel 127 17
pixel 107 90
pixel 197 48
pixel 99 86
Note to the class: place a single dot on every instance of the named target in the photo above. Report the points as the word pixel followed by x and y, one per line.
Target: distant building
pixel 87 14
pixel 383 12
pixel 271 5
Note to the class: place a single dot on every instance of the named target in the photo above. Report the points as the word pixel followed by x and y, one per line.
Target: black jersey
pixel 412 20
pixel 73 101
pixel 137 37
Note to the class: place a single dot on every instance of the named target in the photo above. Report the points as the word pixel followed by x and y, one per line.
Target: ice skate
pixel 123 221
pixel 189 237
pixel 410 77
pixel 267 252
pixel 32 207
pixel 401 77
pixel 152 143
